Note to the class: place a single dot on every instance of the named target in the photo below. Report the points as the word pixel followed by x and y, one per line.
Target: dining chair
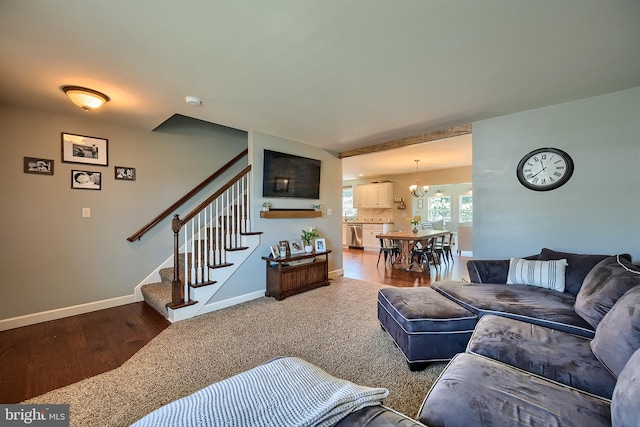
pixel 389 249
pixel 446 246
pixel 423 253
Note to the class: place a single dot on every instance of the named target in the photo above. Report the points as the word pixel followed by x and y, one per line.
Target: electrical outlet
pixel 86 212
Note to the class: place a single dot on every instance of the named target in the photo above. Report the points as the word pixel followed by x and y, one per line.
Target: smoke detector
pixel 192 100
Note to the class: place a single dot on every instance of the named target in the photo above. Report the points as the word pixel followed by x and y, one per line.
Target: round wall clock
pixel 545 169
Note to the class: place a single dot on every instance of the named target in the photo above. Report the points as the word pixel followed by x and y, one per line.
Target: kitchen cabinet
pixel 360 196
pixel 380 195
pixel 373 196
pixel 344 234
pixel 369 233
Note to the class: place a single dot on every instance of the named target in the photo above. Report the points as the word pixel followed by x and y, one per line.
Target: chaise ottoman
pixel 426 326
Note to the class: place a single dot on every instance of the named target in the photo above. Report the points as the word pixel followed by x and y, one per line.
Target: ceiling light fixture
pixel 417 190
pixel 87 99
pixel 439 193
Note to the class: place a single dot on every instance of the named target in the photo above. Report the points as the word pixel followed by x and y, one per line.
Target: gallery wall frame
pixel 84 149
pixel 125 173
pixel 86 180
pixel 38 166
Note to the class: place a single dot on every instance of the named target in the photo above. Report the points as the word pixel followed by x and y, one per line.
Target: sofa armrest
pixel 490 271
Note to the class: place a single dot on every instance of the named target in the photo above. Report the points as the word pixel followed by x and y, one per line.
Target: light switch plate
pixel 86 212
pixel 329 211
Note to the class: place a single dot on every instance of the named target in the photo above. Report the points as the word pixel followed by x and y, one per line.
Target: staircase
pixel 158 295
pixel 217 238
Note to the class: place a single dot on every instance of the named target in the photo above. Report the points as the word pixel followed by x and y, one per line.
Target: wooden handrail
pixel 215 195
pixel 138 234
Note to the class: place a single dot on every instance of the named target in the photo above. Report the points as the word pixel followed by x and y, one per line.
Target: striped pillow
pixel 544 274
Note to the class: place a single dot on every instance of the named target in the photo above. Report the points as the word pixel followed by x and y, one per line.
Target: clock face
pixel 545 169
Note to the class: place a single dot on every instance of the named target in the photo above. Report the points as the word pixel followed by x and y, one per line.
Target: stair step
pixel 157 295
pixel 237 248
pixel 226 264
pixel 203 284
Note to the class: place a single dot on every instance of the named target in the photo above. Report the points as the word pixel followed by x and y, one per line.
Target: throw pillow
pixel 603 286
pixel 544 274
pixel 579 265
pixel 618 333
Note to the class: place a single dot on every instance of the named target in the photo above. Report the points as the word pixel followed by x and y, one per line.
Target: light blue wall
pixel 251 277
pixel 597 211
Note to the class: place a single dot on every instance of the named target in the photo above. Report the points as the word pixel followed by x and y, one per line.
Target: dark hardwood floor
pixel 39 358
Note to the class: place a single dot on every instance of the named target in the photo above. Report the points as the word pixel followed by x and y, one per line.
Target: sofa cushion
pixel 603 286
pixel 625 405
pixel 556 355
pixel 477 391
pixel 544 274
pixel 618 334
pixel 579 265
pixel 527 303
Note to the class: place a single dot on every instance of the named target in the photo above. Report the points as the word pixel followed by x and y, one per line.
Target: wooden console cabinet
pixel 284 279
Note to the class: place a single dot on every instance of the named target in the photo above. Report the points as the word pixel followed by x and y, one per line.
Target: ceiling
pixel 338 74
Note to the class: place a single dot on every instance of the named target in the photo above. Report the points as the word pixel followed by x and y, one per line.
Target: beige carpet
pixel 334 327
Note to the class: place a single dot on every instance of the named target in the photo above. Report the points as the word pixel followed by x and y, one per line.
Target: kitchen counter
pixel 367 222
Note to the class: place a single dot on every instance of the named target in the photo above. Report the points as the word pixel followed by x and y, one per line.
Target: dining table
pixel 407 241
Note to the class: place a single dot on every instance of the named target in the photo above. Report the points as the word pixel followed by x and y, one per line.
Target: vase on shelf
pixel 414 229
pixel 308 249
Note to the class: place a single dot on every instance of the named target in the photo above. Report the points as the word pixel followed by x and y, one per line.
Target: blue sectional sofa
pixel 544 357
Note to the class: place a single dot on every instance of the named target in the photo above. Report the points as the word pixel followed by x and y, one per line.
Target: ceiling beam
pixel 411 140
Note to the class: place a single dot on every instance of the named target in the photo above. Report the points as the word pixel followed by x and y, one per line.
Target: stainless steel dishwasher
pixel 355 236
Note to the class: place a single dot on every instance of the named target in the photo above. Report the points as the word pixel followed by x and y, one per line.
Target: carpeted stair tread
pixel 157 295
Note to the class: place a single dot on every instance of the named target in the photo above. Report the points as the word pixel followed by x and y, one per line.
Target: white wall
pixel 597 211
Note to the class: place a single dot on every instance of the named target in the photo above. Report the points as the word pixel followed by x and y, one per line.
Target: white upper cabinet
pixel 373 196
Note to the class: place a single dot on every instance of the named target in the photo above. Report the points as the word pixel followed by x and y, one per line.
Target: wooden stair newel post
pixel 177 290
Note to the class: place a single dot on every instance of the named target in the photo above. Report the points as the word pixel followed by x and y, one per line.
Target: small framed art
pixel 275 251
pixel 284 248
pixel 321 245
pixel 37 165
pixel 84 149
pixel 86 180
pixel 296 247
pixel 125 173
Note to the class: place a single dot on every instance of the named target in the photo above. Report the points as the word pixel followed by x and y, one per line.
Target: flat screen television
pixel 287 175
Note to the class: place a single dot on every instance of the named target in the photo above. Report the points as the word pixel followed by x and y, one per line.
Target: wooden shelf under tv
pixel 290 214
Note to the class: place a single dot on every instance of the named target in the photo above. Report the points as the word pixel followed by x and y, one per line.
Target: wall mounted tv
pixel 286 175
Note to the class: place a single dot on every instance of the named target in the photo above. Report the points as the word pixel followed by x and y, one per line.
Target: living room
pixel 58 263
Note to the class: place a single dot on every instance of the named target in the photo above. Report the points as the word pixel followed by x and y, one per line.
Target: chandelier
pixel 418 190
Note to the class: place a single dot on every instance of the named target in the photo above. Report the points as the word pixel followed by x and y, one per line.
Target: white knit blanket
pixel 284 392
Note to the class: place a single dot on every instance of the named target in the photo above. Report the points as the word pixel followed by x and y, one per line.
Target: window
pixel 466 208
pixel 348 211
pixel 440 208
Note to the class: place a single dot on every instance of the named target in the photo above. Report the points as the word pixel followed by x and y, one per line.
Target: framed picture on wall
pixel 37 165
pixel 84 149
pixel 125 173
pixel 86 180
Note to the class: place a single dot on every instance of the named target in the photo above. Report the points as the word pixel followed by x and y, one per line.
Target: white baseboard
pixel 336 273
pixel 218 305
pixel 59 313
